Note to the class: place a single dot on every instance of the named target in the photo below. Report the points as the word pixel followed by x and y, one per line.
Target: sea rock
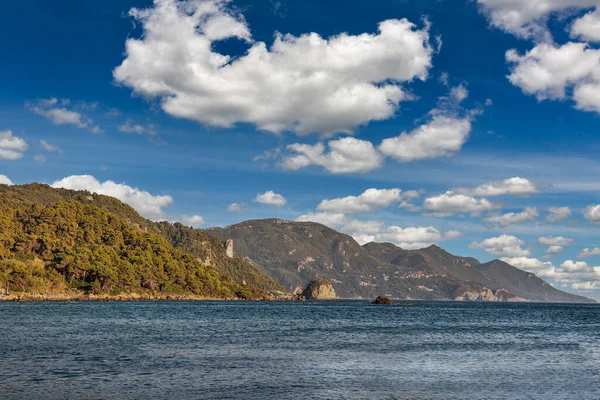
pixel 383 300
pixel 320 289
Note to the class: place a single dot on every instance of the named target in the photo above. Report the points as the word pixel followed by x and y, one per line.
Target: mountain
pixel 525 284
pixel 58 241
pixel 295 253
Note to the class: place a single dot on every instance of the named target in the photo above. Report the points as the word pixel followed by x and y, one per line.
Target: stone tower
pixel 229 248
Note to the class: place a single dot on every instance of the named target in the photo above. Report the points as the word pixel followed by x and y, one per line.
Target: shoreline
pixel 137 297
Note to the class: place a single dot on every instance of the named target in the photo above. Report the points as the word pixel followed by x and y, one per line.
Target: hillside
pixel 56 241
pixel 526 284
pixel 295 253
pixel 194 241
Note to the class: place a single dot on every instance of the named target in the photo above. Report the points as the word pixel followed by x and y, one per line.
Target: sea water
pixel 306 350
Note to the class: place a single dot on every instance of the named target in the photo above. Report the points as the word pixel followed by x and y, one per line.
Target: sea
pixel 299 350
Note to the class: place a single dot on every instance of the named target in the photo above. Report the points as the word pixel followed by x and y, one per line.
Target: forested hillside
pixel 56 241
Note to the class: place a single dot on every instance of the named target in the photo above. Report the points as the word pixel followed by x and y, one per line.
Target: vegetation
pixel 56 241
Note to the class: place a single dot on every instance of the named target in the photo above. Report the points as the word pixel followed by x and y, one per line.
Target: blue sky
pixel 194 116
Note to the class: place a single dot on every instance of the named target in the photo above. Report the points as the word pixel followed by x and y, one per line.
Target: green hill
pixel 57 241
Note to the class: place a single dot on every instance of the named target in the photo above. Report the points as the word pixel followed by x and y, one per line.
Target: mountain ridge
pixel 295 253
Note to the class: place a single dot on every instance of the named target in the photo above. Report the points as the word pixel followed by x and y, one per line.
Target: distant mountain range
pixel 294 253
pixel 58 242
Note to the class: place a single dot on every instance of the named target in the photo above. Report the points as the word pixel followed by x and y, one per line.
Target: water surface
pixel 323 350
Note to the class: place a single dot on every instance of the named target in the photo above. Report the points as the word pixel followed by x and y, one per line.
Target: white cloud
pixel 346 155
pixel 587 252
pixel 143 202
pixel 442 136
pixel 376 231
pixel 512 186
pixel 532 265
pixel 370 200
pixel 557 214
pixel 39 158
pixel 192 220
pixel 301 83
pixel 587 28
pixel 489 102
pixel 556 244
pixel 331 220
pixel 555 241
pixel 50 148
pixel 56 112
pixel 502 246
pixel 11 147
pixel 451 203
pixel 527 18
pixel 4 180
pixel 529 214
pixel 592 213
pixel 131 127
pixel 270 198
pixel 549 72
pixel 236 207
pixel 555 249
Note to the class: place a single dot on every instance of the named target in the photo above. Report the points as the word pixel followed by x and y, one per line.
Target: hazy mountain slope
pixel 526 284
pixel 294 253
pixel 208 249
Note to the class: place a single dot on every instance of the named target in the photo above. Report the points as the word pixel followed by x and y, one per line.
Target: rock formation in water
pixel 320 289
pixel 383 300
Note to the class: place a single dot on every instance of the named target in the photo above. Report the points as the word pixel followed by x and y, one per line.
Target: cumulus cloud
pixel 576 275
pixel 131 127
pixel 370 200
pixel 556 244
pixel 555 241
pixel 529 214
pixel 303 83
pixel 56 111
pixel 11 147
pixel 344 156
pixel 550 72
pixel 592 213
pixel 557 214
pixel 270 198
pixel 555 249
pixel 146 204
pixel 442 136
pixel 527 19
pixel 50 148
pixel 376 231
pixel 236 207
pixel 587 252
pixel 502 246
pixel 4 180
pixel 192 220
pixel 512 186
pixel 451 203
pixel 587 28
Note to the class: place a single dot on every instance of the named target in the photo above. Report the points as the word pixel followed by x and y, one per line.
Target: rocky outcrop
pixel 383 300
pixel 229 248
pixel 319 290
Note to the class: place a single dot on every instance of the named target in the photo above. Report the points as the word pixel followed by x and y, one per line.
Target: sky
pixel 470 124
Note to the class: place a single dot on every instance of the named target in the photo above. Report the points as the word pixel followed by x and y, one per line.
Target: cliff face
pixel 319 290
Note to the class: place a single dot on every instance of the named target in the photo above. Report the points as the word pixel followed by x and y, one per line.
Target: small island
pixel 319 289
pixel 383 300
